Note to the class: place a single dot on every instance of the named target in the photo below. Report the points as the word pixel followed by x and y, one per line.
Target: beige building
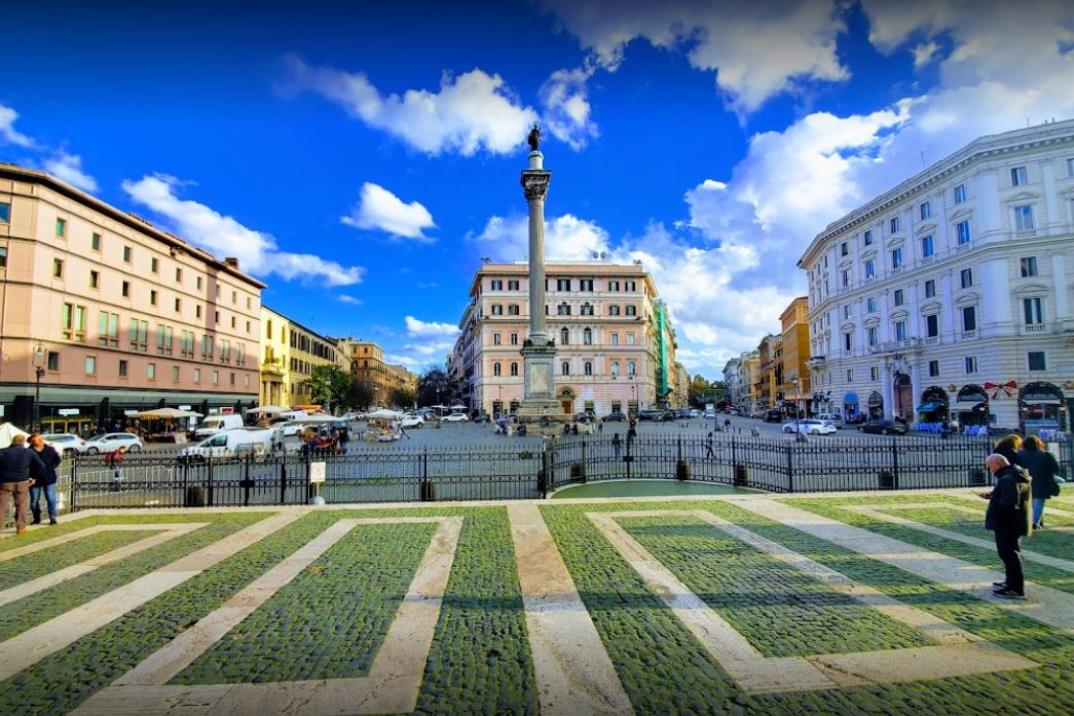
pixel 797 387
pixel 365 360
pixel 117 315
pixel 615 346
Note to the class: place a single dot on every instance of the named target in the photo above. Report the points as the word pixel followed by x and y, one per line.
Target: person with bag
pixel 1044 470
pixel 1007 517
pixel 45 482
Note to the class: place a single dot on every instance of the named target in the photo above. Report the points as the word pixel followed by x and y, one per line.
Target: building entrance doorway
pixel 904 397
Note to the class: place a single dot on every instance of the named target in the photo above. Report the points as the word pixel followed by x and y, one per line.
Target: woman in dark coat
pixel 1008 446
pixel 1043 468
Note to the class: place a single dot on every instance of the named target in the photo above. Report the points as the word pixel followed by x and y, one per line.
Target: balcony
pixel 1034 328
pixel 968 335
pixel 815 361
pixel 272 367
pixel 909 345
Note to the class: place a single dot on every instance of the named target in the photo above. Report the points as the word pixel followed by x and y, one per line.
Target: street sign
pixel 317 472
pixel 67 411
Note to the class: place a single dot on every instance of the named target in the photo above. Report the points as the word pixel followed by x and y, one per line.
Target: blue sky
pixel 362 160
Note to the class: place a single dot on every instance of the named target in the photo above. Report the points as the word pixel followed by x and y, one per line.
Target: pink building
pixel 602 318
pixel 115 314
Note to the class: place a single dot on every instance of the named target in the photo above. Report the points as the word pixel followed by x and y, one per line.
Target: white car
pixel 108 442
pixel 66 443
pixel 810 426
pixel 412 421
pixel 456 418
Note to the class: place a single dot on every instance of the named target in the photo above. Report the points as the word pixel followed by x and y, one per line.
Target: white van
pixel 231 443
pixel 217 424
pixel 834 418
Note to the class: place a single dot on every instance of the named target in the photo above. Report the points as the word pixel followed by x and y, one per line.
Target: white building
pixel 948 296
pixel 732 380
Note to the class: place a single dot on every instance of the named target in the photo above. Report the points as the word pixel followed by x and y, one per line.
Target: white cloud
pixel 224 236
pixel 471 112
pixel 8 133
pixel 757 50
pixel 380 209
pixel 567 238
pixel 424 329
pixel 68 168
pixel 565 97
pixel 351 300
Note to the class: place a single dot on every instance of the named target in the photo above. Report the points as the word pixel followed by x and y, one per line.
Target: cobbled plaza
pixel 744 603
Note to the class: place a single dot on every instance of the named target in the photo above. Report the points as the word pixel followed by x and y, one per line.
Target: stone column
pixel 535 186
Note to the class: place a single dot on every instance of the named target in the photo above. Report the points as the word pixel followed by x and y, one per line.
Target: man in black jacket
pixel 1008 517
pixel 46 481
pixel 17 468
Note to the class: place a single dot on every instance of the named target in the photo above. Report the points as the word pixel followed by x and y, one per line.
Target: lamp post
pixel 797 431
pixel 39 373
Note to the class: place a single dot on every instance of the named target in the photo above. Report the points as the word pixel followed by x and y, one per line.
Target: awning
pixel 1040 400
pixel 876 400
pixel 968 405
pixel 850 399
pixel 929 407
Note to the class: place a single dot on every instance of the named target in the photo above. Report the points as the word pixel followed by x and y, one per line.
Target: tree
pixel 436 386
pixel 359 395
pixel 327 385
pixel 699 390
pixel 402 397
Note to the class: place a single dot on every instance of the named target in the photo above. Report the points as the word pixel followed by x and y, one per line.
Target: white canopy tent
pixel 268 410
pixel 384 413
pixel 166 414
pixel 9 431
pixel 320 418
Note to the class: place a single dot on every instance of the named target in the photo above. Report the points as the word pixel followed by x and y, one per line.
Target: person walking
pixel 1007 517
pixel 617 445
pixel 114 460
pixel 18 467
pixel 600 426
pixel 46 481
pixel 710 452
pixel 1008 446
pixel 1043 469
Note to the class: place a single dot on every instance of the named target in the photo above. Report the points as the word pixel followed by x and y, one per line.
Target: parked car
pixel 412 420
pixel 695 413
pixel 654 415
pixel 810 426
pixel 710 413
pixel 66 444
pixel 682 413
pixel 231 443
pixel 758 414
pixel 456 418
pixel 773 415
pixel 834 418
pixel 217 424
pixel 108 442
pixel 885 427
pixel 615 417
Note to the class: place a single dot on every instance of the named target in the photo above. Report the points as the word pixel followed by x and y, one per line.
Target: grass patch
pixel 37 564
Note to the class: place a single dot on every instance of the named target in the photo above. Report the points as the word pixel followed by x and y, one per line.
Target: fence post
pixel 309 486
pixel 246 481
pixel 790 468
pixel 209 462
pixel 283 478
pixel 74 482
pixel 542 474
pixel 894 464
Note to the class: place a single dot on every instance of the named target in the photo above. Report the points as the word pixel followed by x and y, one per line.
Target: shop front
pixel 932 413
pixel 971 408
pixel 851 407
pixel 1041 409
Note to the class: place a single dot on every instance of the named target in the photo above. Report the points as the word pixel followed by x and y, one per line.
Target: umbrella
pixel 268 410
pixel 458 407
pixel 384 413
pixel 315 419
pixel 439 407
pixel 166 414
pixel 7 432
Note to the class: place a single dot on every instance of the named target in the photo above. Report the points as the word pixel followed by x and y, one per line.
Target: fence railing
pixel 530 470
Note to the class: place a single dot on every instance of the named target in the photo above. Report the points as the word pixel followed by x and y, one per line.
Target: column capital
pixel 535 184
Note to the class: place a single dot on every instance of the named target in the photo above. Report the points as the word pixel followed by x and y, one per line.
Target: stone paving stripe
pixel 1049 509
pixel 391 687
pixel 960 653
pixel 1043 604
pixel 26 649
pixel 574 673
pixel 876 513
pixel 76 535
pixel 44 526
pixel 171 530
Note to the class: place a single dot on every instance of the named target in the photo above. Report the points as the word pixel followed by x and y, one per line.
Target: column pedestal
pixel 539 410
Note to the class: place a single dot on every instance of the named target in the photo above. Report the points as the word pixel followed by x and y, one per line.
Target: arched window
pixel 496 368
pixel 564 337
pixel 565 368
pixel 631 310
pixel 615 368
pixel 588 368
pixel 632 367
pixel 587 336
pixel 613 310
pixel 514 369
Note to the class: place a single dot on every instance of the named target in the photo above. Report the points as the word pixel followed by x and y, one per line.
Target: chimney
pixel 232 262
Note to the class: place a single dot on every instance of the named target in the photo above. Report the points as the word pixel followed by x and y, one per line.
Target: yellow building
pixel 796 382
pixel 289 352
pixel 365 361
pixel 751 370
pixel 770 372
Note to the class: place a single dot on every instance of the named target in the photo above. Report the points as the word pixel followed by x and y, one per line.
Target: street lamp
pixel 39 373
pixel 797 432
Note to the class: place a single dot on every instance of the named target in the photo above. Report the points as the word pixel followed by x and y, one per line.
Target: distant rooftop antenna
pixel 485 259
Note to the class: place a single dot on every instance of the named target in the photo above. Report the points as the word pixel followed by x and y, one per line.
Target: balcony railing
pixel 1034 328
pixel 903 346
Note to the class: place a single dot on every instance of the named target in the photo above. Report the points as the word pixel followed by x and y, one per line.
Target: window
pixel 233 319
pixel 197 375
pixel 53 361
pixel 564 337
pixel 632 310
pixel 615 339
pixel 870 269
pixel 896 259
pixel 94 279
pixel 139 334
pixel 893 225
pixel 152 297
pixel 960 193
pixel 630 286
pixel 934 368
pixel 925 210
pixel 969 318
pixel 563 309
pixel 61 227
pixel 844 250
pixel 1036 360
pixel 197 282
pixel 1019 176
pixel 127 254
pixel 179 276
pixel 108 329
pixel 932 325
pixel 587 336
pixel 240 353
pixel 95 242
pixel 497 309
pixel 563 284
pixel 587 309
pixel 154 265
pixel 514 339
pixel 873 335
pixel 870 304
pixel 927 248
pixel 564 368
pixel 497 284
pixel 1070 167
pixel 234 300
pixel 216 377
pixel 206 347
pixel 897 297
pixel 91 365
pixel 5 212
pixel 175 373
pixel 151 371
pixel 3 257
pixel 587 368
pixel 867 237
pixel 930 288
pixel 844 278
pixel 512 285
pixel 962 228
pixel 846 312
pixel 847 339
pixel 971 365
pixel 613 310
pixel 186 344
pixel 57 268
pixel 179 306
pixel 512 309
pixel 615 368
pixel 613 286
pixel 632 367
pixel 585 284
pixel 496 369
pixel 1033 310
pixel 850 375
pixel 965 277
pixel 125 289
pixel 164 339
pixel 197 311
pixel 514 369
pixel 1023 218
pixel 73 322
pixel 495 339
pixel 900 330
pixel 1028 265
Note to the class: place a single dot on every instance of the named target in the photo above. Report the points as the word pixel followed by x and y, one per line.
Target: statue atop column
pixel 534 138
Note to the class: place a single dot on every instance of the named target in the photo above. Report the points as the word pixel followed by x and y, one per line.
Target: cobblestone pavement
pixel 741 603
